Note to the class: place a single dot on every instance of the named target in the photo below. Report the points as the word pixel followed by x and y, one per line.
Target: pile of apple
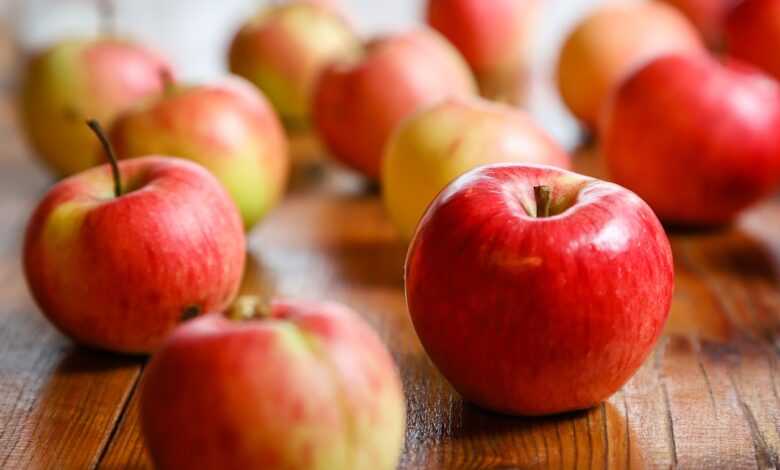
pixel 523 279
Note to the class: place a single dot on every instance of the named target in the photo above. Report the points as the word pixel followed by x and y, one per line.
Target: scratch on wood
pixel 576 445
pixel 119 419
pixel 606 434
pixel 590 442
pixel 667 407
pixel 697 351
pixel 765 456
pixel 628 433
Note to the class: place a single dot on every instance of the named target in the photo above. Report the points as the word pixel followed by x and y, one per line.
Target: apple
pixel 709 17
pixel 228 127
pixel 753 34
pixel 118 255
pixel 435 145
pixel 697 139
pixel 78 79
pixel 357 104
pixel 536 290
pixel 283 50
pixel 610 43
pixel 494 38
pixel 293 385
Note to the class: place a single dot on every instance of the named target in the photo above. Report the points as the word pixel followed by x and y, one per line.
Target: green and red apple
pixel 436 145
pixel 228 127
pixel 75 80
pixel 292 385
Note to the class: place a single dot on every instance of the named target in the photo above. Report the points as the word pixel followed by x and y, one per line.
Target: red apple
pixel 117 264
pixel 753 34
pixel 709 17
pixel 536 290
pixel 294 385
pixel 610 43
pixel 358 104
pixel 494 37
pixel 79 79
pixel 696 139
pixel 228 127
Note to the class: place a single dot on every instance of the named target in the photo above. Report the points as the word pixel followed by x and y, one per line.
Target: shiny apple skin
pixel 121 273
pixel 697 139
pixel 535 316
pixel 311 387
pixel 753 34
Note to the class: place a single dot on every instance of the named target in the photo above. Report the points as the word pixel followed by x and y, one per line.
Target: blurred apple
pixel 228 127
pixel 696 139
pixel 293 385
pixel 753 34
pixel 283 50
pixel 357 104
pixel 436 145
pixel 493 36
pixel 709 17
pixel 610 43
pixel 79 79
pixel 116 259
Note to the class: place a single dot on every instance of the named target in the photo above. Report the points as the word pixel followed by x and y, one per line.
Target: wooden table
pixel 707 397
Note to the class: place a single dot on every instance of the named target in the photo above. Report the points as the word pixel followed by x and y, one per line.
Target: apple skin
pixel 494 38
pixel 121 273
pixel 437 144
pixel 79 79
pixel 709 17
pixel 228 127
pixel 609 44
pixel 753 33
pixel 308 387
pixel 697 139
pixel 536 316
pixel 283 50
pixel 358 104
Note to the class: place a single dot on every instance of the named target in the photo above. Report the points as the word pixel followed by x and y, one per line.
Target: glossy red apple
pixel 696 139
pixel 358 104
pixel 753 34
pixel 536 290
pixel 709 17
pixel 294 386
pixel 494 36
pixel 117 262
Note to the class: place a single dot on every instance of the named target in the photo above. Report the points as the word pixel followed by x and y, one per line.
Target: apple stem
pixel 543 197
pixel 101 135
pixel 107 12
pixel 249 307
pixel 167 79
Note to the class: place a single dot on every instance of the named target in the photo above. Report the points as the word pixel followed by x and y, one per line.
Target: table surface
pixel 706 398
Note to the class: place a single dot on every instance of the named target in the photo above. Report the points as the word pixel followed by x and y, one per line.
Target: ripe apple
pixel 536 290
pixel 79 79
pixel 438 144
pixel 118 255
pixel 283 50
pixel 696 139
pixel 709 17
pixel 292 385
pixel 753 34
pixel 357 104
pixel 494 38
pixel 610 43
pixel 228 127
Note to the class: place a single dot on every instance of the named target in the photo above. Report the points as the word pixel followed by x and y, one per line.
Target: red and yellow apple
pixel 609 44
pixel 436 145
pixel 79 79
pixel 535 290
pixel 697 139
pixel 753 34
pixel 709 17
pixel 283 50
pixel 357 104
pixel 118 262
pixel 494 38
pixel 293 385
pixel 228 127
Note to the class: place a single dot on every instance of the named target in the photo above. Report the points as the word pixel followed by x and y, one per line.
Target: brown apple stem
pixel 249 307
pixel 543 200
pixel 167 79
pixel 107 12
pixel 101 135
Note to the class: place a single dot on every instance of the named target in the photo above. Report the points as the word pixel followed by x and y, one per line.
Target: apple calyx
pixel 101 135
pixel 249 307
pixel 543 196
